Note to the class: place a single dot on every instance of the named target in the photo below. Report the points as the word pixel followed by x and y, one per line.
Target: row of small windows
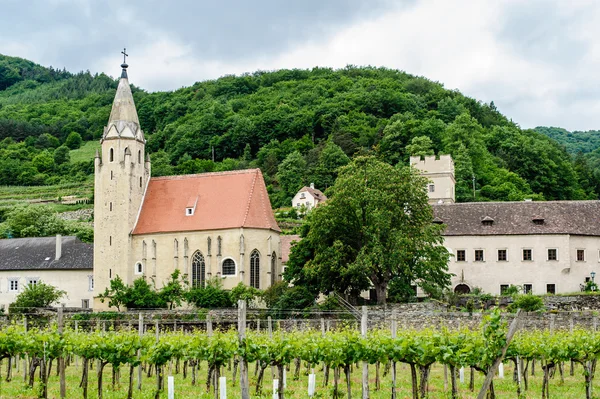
pixel 528 288
pixel 527 255
pixel 111 154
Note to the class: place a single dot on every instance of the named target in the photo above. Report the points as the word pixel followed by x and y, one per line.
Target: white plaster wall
pixel 441 173
pixel 159 266
pixel 307 198
pixel 74 282
pixel 117 200
pixel 566 273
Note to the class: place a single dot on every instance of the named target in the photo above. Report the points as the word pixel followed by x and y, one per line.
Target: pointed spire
pixel 123 115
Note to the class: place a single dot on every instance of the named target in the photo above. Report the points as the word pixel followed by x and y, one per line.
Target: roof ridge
pixel 206 174
pixel 262 192
pixel 250 199
pixel 517 202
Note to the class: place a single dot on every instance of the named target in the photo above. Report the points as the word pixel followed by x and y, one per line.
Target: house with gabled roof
pixel 63 262
pixel 308 197
pixel 205 225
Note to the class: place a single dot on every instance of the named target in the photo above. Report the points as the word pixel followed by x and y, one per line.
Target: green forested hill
pixel 298 126
pixel 574 142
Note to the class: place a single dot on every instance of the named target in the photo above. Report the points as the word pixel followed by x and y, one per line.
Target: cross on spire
pixel 124 64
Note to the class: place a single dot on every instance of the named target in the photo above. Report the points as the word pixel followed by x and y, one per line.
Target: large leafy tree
pixel 375 227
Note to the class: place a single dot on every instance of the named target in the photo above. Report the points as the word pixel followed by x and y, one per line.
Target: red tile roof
pixel 224 200
pixel 286 246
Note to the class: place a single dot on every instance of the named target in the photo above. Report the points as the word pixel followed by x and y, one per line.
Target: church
pixel 211 225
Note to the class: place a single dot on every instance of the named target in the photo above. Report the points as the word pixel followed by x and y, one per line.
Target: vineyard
pixel 398 363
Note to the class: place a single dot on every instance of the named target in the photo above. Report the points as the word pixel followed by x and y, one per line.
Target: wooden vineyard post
pixel 244 386
pixel 209 326
pixel 139 354
pixel 270 329
pixel 394 333
pixel 24 357
pixel 61 359
pixel 365 366
pixel 514 326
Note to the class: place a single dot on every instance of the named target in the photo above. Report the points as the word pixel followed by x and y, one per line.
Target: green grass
pixel 86 152
pixel 572 388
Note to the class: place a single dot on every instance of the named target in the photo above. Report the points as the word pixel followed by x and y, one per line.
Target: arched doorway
pixel 462 289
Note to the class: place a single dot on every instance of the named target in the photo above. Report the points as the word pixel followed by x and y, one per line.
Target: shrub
pixel 527 303
pixel 242 291
pixel 38 295
pixel 211 296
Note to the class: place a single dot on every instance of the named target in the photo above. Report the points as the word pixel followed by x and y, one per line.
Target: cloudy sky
pixel 539 61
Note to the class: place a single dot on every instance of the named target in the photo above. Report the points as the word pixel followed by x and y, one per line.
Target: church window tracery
pixel 255 269
pixel 198 270
pixel 228 267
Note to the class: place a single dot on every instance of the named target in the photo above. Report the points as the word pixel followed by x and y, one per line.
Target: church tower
pixel 440 171
pixel 122 173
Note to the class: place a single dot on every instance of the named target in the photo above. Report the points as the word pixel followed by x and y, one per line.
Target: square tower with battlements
pixel 440 171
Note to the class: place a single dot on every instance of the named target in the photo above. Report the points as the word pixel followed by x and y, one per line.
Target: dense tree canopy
pixel 376 226
pixel 259 119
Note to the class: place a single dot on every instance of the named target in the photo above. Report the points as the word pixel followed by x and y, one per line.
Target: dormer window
pixel 437 220
pixel 538 220
pixel 191 206
pixel 487 221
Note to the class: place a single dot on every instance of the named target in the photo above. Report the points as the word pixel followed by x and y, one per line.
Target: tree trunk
pixel 326 377
pixel 259 381
pixel 454 394
pixel 280 367
pixel 381 292
pixel 84 377
pixel 158 381
pixel 100 369
pixel 297 363
pixel 209 374
pixel 9 370
pixel 415 384
pixel 348 385
pixel 377 377
pixel 424 385
pixel 336 379
pixel 130 387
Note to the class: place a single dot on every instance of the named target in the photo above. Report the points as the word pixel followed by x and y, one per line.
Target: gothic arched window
pixel 198 270
pixel 273 268
pixel 255 269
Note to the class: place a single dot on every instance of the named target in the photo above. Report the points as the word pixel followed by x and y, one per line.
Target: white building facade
pixel 63 262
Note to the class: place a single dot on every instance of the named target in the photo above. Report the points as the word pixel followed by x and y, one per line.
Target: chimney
pixel 312 185
pixel 58 247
